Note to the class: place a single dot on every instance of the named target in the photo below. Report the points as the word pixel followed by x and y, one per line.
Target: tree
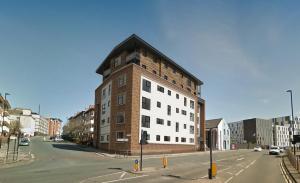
pixel 14 128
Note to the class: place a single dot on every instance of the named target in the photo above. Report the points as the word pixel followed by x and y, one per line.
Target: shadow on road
pixel 74 147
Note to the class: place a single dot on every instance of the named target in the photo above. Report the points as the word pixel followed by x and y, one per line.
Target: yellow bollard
pixel 214 169
pixel 136 165
pixel 164 162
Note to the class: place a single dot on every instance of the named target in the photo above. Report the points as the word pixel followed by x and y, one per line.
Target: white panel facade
pixel 237 132
pixel 224 136
pixel 281 135
pixel 186 126
pixel 105 113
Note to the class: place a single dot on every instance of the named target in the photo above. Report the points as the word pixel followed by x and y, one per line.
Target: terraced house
pixel 142 89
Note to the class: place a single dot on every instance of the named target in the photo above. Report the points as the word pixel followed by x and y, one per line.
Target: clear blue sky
pixel 246 52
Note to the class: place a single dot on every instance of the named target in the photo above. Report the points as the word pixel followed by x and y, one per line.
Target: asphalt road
pixel 67 162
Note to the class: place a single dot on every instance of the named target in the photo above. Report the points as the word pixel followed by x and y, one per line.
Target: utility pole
pixel 293 120
pixel 210 153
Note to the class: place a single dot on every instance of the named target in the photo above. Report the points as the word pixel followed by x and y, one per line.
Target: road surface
pixel 69 163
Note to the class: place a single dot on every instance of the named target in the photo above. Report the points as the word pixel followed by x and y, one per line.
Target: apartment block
pixel 54 128
pixel 254 131
pixel 142 89
pixel 4 119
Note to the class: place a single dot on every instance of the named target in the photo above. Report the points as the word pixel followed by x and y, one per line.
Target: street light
pixel 292 123
pixel 6 94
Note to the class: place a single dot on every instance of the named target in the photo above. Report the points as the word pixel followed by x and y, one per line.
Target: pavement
pixel 67 162
pixel 291 173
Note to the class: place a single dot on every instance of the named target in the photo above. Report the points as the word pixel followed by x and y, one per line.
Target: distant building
pixel 54 126
pixel 252 132
pixel 89 115
pixel 220 134
pixel 31 123
pixel 236 132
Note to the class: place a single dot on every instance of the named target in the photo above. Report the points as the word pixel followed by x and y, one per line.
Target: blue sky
pixel 246 52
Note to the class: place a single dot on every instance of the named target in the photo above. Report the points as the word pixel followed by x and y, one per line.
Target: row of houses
pixel 80 127
pixel 31 123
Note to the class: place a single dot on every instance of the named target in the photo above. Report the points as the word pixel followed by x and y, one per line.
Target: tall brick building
pixel 54 128
pixel 143 89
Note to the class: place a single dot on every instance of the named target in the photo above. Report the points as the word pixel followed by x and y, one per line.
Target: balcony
pixel 132 56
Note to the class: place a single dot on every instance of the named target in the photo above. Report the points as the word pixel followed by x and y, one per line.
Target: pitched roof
pixel 212 123
pixel 133 41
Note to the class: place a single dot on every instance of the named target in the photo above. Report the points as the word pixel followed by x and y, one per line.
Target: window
pixel 184 126
pixel 103 121
pixel 159 121
pixel 169 110
pixel 167 138
pixel 188 89
pixel 117 61
pixel 177 95
pixel 177 127
pixel 157 137
pixel 184 101
pixel 121 99
pixel 192 140
pixel 103 109
pixel 145 121
pixel 154 72
pixel 122 80
pixel 158 104
pixel 120 135
pixel 174 82
pixel 189 82
pixel 192 117
pixel 183 112
pixel 169 123
pixel 146 103
pixel 107 137
pixel 102 138
pixel 174 70
pixel 183 139
pixel 192 130
pixel 177 110
pixel 181 86
pixel 165 77
pixel 108 120
pixel 161 89
pixel 176 139
pixel 108 103
pixel 169 92
pixel 192 104
pixel 104 92
pixel 146 85
pixel 120 117
pixel 109 89
pixel 144 66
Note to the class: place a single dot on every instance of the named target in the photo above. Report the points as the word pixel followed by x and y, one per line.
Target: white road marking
pixel 240 159
pixel 239 172
pixel 229 173
pixel 222 159
pixel 32 156
pixel 117 180
pixel 252 162
pixel 100 176
pixel 121 177
pixel 228 180
pixel 204 176
pixel 247 166
pixel 287 180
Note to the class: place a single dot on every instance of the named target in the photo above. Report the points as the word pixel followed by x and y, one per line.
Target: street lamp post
pixel 6 94
pixel 293 121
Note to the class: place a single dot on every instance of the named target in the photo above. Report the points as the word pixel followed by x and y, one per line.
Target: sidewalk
pixel 292 172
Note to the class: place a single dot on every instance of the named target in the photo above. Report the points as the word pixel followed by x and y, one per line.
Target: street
pixel 67 162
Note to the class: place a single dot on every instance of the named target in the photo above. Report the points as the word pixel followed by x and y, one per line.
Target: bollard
pixel 136 165
pixel 164 162
pixel 214 169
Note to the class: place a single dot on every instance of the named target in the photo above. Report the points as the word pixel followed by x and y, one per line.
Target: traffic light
pixel 144 137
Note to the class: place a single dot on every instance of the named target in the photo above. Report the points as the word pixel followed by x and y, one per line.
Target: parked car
pixel 257 149
pixel 24 142
pixel 274 150
pixel 281 149
pixel 58 139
